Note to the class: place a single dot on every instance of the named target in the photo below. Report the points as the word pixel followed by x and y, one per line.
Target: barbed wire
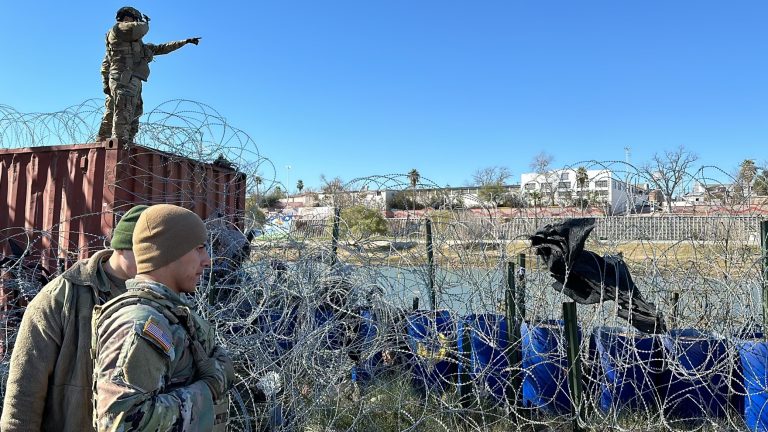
pixel 326 334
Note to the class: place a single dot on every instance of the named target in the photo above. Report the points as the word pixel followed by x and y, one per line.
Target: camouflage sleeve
pixel 105 71
pixel 165 48
pixel 130 31
pixel 33 359
pixel 131 379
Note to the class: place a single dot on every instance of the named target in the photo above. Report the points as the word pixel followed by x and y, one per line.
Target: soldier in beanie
pixel 156 364
pixel 50 378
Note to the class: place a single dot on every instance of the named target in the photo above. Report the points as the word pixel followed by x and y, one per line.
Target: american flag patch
pixel 154 332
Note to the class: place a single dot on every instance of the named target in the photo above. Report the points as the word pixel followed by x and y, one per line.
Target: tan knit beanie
pixel 165 233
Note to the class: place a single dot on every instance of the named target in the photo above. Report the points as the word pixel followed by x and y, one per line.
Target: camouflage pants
pixel 105 128
pixel 122 110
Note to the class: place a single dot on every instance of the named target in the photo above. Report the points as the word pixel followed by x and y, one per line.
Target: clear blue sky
pixel 353 88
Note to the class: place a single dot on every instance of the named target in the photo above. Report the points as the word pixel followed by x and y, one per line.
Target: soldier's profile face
pixel 130 262
pixel 188 269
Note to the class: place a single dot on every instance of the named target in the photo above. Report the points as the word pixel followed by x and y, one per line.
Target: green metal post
pixel 431 265
pixel 764 250
pixel 514 320
pixel 521 287
pixel 465 387
pixel 574 361
pixel 675 308
pixel 335 234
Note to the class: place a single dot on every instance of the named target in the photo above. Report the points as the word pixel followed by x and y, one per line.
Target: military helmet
pixel 128 11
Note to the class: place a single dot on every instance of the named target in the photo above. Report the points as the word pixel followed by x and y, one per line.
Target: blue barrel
pixel 488 361
pixel 545 367
pixel 370 363
pixel 694 382
pixel 432 340
pixel 278 331
pixel 753 371
pixel 333 331
pixel 629 364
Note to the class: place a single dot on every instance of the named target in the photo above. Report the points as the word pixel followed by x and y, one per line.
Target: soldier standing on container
pixel 125 66
pixel 156 365
pixel 50 377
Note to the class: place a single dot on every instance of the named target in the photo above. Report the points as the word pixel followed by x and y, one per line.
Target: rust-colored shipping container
pixel 61 202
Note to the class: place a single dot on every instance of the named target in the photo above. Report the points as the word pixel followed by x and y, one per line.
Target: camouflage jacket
pixel 50 377
pixel 144 371
pixel 128 56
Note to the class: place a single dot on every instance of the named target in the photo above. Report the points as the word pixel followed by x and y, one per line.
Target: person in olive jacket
pixel 51 374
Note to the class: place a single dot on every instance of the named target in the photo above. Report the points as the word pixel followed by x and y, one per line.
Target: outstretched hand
pixel 194 40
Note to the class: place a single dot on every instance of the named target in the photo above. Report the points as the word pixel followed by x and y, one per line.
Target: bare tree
pixel 547 177
pixel 333 192
pixel 495 175
pixel 491 181
pixel 747 173
pixel 667 171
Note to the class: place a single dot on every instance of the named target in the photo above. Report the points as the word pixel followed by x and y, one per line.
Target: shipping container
pixel 61 202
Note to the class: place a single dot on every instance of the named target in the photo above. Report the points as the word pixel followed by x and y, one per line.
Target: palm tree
pixel 258 182
pixel 300 187
pixel 582 178
pixel 414 177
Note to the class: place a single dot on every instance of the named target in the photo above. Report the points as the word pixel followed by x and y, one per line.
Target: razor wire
pixel 324 333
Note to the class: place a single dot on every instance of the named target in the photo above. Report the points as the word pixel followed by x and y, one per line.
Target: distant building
pixel 461 196
pixel 724 193
pixel 382 199
pixel 602 188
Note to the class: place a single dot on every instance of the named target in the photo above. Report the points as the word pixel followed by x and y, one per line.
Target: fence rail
pixel 619 228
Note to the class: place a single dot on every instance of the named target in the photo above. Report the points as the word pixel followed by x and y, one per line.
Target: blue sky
pixel 354 88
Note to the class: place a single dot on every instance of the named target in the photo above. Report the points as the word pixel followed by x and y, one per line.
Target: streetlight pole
pixel 288 180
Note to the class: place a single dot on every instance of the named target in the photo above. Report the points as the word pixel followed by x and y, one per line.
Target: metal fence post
pixel 465 386
pixel 675 309
pixel 764 252
pixel 431 265
pixel 574 361
pixel 514 321
pixel 335 234
pixel 521 287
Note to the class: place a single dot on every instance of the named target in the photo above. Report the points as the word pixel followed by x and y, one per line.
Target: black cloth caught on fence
pixel 588 278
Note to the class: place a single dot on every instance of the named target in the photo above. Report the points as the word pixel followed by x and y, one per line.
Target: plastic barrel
pixel 488 361
pixel 628 366
pixel 545 367
pixel 694 382
pixel 753 371
pixel 432 340
pixel 365 343
pixel 333 331
pixel 278 331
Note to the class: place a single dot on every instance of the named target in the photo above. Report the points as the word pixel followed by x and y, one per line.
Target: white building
pixel 602 188
pixel 378 199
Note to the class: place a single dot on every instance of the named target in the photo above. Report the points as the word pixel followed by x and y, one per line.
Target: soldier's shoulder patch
pixel 157 333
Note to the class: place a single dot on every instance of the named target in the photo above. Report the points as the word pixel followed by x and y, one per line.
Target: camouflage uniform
pixel 50 378
pixel 145 375
pixel 125 66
